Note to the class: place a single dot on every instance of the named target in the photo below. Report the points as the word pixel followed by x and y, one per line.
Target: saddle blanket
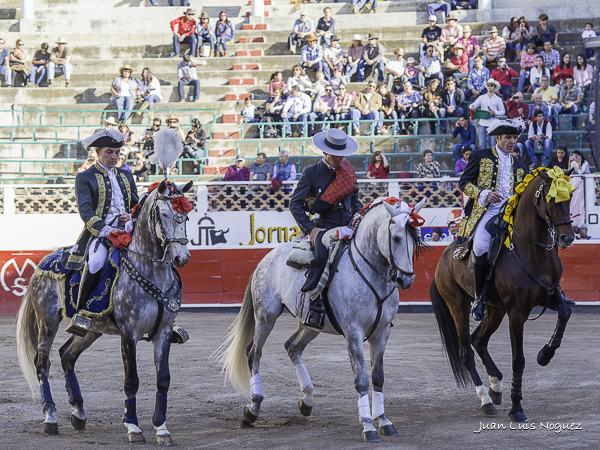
pixel 302 254
pixel 100 302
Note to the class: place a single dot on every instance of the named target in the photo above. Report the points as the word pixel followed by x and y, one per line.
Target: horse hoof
pixel 136 438
pixel 517 417
pixel 248 418
pixel 50 429
pixel 78 424
pixel 489 410
pixel 545 355
pixel 495 396
pixel 305 410
pixel 388 430
pixel 164 440
pixel 371 436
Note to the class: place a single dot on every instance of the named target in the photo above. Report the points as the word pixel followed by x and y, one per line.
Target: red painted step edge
pixel 255 26
pixel 236 97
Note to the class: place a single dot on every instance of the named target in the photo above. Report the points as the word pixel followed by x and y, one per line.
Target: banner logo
pixel 18 286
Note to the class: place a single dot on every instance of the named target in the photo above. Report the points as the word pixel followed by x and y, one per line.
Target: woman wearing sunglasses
pixel 224 33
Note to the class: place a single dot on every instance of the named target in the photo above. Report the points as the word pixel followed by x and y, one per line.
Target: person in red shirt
pixel 563 70
pixel 504 75
pixel 459 64
pixel 184 32
pixel 515 107
pixel 379 166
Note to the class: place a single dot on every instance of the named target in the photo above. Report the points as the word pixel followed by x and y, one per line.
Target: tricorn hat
pixel 335 142
pixel 109 137
pixel 499 127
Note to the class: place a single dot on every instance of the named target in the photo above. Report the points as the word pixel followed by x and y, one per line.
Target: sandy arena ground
pixel 423 402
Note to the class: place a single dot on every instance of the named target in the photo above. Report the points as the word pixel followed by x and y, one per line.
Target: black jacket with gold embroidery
pixel 480 174
pixel 93 191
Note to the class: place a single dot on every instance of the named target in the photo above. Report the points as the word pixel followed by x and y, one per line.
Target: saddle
pixel 498 229
pixel 302 254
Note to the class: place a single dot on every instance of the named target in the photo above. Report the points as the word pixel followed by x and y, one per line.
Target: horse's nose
pixel 565 240
pixel 177 261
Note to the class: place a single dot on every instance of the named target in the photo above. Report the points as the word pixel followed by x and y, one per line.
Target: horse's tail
pixel 232 353
pixel 27 339
pixel 449 335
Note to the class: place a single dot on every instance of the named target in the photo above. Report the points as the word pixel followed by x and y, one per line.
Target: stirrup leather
pixel 79 325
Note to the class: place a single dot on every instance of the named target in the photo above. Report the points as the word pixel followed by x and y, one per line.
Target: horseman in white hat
pixel 328 189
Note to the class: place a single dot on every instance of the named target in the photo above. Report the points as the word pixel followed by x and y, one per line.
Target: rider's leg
pixel 481 244
pixel 313 277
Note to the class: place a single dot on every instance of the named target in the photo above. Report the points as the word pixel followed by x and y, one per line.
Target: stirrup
pixel 316 325
pixel 79 325
pixel 179 336
pixel 478 310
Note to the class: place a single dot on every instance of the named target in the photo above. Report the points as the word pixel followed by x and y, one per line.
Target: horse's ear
pixel 420 205
pixel 544 176
pixel 188 186
pixel 569 172
pixel 162 186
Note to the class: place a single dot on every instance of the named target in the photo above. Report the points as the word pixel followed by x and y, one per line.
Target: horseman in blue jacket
pixel 308 198
pixel 105 196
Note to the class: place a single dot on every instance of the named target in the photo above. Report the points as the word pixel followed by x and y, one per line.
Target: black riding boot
pixel 480 269
pixel 80 325
pixel 568 301
pixel 315 309
pixel 315 313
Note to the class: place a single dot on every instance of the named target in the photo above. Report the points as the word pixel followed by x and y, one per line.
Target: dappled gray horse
pixel 158 243
pixel 361 291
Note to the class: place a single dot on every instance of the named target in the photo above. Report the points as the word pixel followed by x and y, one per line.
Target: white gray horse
pixel 158 242
pixel 379 247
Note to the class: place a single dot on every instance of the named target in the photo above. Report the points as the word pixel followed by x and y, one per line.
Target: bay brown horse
pixel 525 275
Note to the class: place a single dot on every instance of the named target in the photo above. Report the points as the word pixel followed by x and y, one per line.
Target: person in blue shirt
pixel 224 33
pixel 205 32
pixel 468 134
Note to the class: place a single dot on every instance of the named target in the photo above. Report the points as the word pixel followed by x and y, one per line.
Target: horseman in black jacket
pixel 336 206
pixel 105 197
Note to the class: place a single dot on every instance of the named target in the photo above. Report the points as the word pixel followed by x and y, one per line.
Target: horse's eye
pixel 396 239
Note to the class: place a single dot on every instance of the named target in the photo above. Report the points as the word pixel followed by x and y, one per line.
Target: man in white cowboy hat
pixel 493 105
pixel 355 58
pixel 494 47
pixel 60 62
pixel 312 196
pixel 302 28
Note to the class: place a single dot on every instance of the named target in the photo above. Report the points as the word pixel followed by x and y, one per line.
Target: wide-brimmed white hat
pixel 335 142
pixel 356 37
pixel 493 82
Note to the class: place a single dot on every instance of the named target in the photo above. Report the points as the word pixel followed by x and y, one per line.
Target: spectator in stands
pixel 366 107
pixel 583 233
pixel 326 27
pixel 147 136
pixel 452 231
pixel 39 66
pixel 18 63
pixel 538 105
pixel 411 71
pixel 477 78
pixel 458 66
pixel 409 103
pixel 569 99
pixel 312 54
pixel 583 73
pixel 539 137
pixel 238 171
pixel 439 5
pixel 300 79
pixel 276 81
pixel 91 159
pixel 248 112
pixel 453 102
pixel 5 64
pixel 284 170
pixel 537 72
pixel 388 105
pixel 504 74
pixel 122 161
pixel 224 33
pixel 261 170
pixel 395 68
pixel 510 34
pixel 373 56
pixel 428 168
pixel 173 123
pixel 322 110
pixel 272 113
pixel 494 47
pixel 296 109
pixel 451 33
pixel 341 105
pixel 579 164
pixel 303 27
pixel 431 36
pixel 549 93
pixel 471 45
pixel 460 165
pixel 60 62
pixel 436 234
pixel 430 68
pixel 467 133
pixel 184 32
pixel 528 58
pixel 561 159
pixel 546 32
pixel 188 76
pixel 355 59
pixel 129 136
pixel 193 145
pixel 379 167
pixel 563 70
pixel 333 56
pixel 358 5
pixel 432 101
pixel 123 90
pixel 493 105
pixel 204 33
pixel 588 53
pixel 550 56
pixel 526 35
pixel 319 86
pixel 149 90
pixel 141 168
pixel 516 108
pixel 337 80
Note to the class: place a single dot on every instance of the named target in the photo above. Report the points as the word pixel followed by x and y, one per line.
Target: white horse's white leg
pixel 295 345
pixel 163 437
pixel 134 434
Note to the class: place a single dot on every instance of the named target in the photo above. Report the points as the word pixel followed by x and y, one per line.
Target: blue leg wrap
pixel 160 410
pixel 72 386
pixel 46 395
pixel 130 414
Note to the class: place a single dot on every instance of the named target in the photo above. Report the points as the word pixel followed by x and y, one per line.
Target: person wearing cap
pixel 303 27
pixel 395 68
pixel 312 54
pixel 326 27
pixel 489 181
pixel 333 56
pixel 504 74
pixel 188 76
pixel 204 33
pixel 314 194
pixel 366 107
pixel 296 109
pixel 493 105
pixel 431 35
pixel 411 71
pixel 451 33
pixel 453 101
pixel 373 56
pixel 224 33
pixel 60 62
pixel 494 47
pixel 355 59
pixel 478 75
pixel 429 68
pixel 105 197
pixel 471 45
pixel 238 171
pixel 458 66
pixel 39 66
pixel 358 5
pixel 123 89
pixel 184 32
